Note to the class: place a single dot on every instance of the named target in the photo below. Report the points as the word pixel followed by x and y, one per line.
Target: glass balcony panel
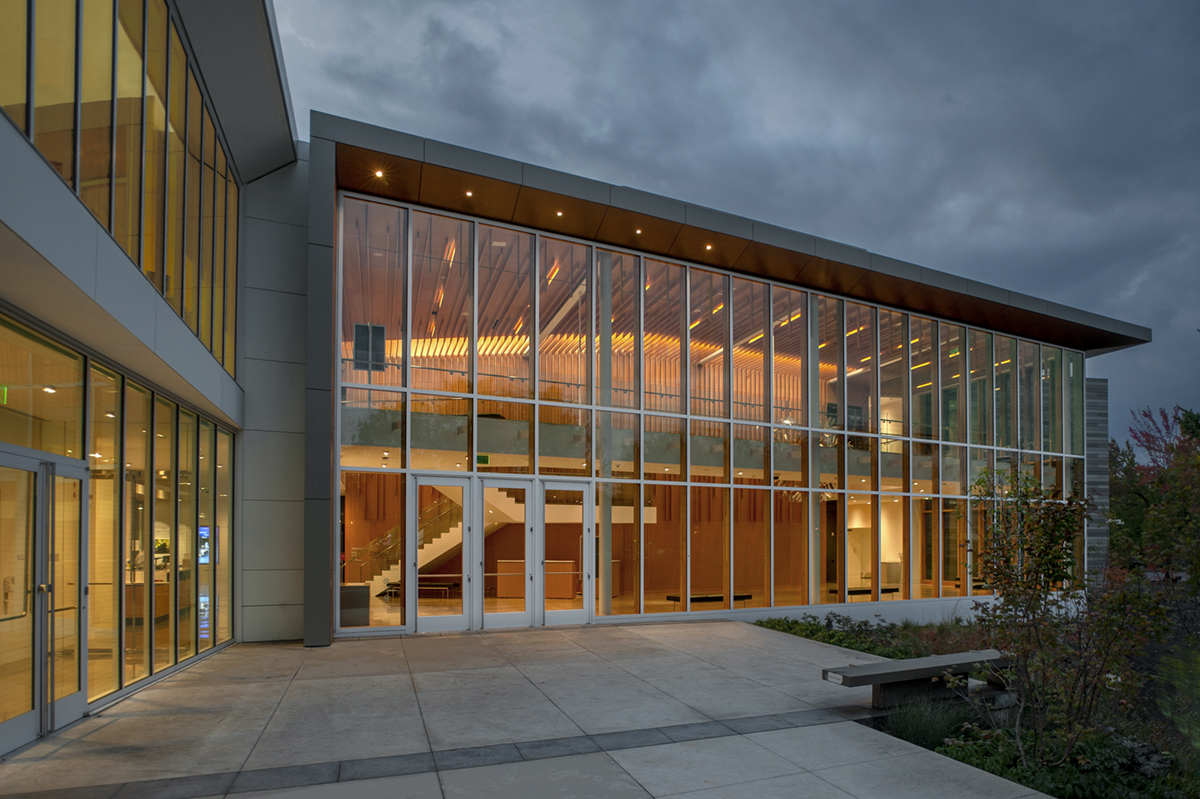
pixel 708 451
pixel 665 448
pixel 751 456
pixel 441 433
pixel 618 445
pixel 564 441
pixel 505 443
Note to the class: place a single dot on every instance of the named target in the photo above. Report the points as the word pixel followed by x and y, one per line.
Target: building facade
pixel 259 389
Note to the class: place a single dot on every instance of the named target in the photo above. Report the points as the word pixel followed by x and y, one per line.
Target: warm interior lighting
pixel 864 360
pixel 925 385
pixel 553 274
pixel 708 246
pixel 918 366
pixel 378 173
pixel 49 390
pixel 756 338
pixel 468 194
pixel 718 308
pixel 560 213
pixel 638 231
pixel 110 415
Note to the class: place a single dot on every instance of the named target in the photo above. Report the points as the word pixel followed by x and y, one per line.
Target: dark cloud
pixel 1052 148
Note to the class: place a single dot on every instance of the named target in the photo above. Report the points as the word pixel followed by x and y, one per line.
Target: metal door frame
pixel 469 619
pixel 525 618
pixel 586 614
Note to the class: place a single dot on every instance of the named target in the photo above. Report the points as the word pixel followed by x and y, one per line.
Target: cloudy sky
pixel 1051 148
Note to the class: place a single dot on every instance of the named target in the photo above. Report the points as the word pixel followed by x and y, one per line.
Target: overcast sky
pixel 1050 148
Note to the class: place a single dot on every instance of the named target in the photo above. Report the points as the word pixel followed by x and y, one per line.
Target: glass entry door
pixel 506 560
pixel 41 520
pixel 439 577
pixel 565 552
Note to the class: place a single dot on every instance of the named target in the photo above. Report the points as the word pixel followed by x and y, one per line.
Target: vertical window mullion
pixel 78 110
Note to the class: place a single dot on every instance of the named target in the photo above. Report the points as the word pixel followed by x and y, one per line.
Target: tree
pixel 1068 642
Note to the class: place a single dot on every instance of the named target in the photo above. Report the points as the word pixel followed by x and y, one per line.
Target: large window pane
pixel 829 460
pixel 18 534
pixel 194 218
pixel 139 558
pixel 41 392
pixel 223 546
pixel 221 181
pixel 127 171
pixel 893 547
pixel 1029 382
pixel 207 207
pixel 708 335
pixel 205 554
pixel 666 312
pixel 790 466
pixel 54 85
pixel 789 332
pixel 505 554
pixel 104 534
pixel 164 533
pixel 893 465
pixel 185 540
pixel 751 455
pixel 981 386
pixel 954 547
pixel 618 445
pixel 709 557
pixel 862 548
pixel 155 174
pixel 708 451
pixel 231 271
pixel 439 578
pixel 442 330
pixel 1073 390
pixel 751 320
pixel 618 544
pixel 618 342
pixel 923 355
pixel 954 470
pixel 828 339
pixel 1005 360
pixel 441 433
pixel 954 381
pixel 791 547
pixel 374 241
pixel 14 29
pixel 893 373
pixel 95 109
pixel 505 444
pixel 862 407
pixel 664 517
pixel 564 319
pixel 925 468
pixel 372 581
pixel 176 166
pixel 372 429
pixel 861 462
pixel 564 441
pixel 751 548
pixel 829 523
pixel 505 312
pixel 1052 399
pixel 925 534
pixel 664 447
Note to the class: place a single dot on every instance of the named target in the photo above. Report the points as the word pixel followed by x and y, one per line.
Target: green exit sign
pixel 483 460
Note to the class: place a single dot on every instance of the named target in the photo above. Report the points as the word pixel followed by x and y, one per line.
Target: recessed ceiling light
pixel 468 194
pixel 708 246
pixel 639 232
pixel 378 173
pixel 560 213
pixel 49 390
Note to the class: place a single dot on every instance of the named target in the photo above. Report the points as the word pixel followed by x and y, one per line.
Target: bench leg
pixel 893 694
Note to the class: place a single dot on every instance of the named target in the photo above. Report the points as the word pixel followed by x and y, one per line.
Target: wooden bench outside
pixel 899 681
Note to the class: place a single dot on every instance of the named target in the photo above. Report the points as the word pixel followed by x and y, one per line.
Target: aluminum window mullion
pixel 30 66
pixel 77 143
pixel 120 448
pixel 141 189
pixel 112 130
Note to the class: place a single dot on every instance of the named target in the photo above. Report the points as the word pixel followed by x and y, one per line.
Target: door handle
pixel 44 588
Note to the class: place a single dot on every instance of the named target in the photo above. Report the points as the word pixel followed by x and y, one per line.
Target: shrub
pixel 928 723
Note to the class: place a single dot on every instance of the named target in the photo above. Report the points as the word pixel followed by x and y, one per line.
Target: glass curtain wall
pixel 704 494
pixel 110 112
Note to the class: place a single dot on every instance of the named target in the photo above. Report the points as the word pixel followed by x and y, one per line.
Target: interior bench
pixel 896 682
pixel 699 599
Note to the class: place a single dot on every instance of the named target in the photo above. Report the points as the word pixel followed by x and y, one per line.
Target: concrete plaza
pixel 698 709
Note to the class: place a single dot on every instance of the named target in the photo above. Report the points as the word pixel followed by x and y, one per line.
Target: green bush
pixel 886 639
pixel 928 723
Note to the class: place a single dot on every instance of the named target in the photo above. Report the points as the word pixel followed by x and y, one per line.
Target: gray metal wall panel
pixel 1096 469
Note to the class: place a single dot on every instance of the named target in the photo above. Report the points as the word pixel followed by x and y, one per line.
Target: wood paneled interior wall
pixel 374 505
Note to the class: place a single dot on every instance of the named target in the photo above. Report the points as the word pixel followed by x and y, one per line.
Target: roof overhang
pixel 439 175
pixel 241 65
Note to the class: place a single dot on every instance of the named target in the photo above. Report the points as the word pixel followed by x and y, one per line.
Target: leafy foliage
pixel 886 639
pixel 928 723
pixel 1068 644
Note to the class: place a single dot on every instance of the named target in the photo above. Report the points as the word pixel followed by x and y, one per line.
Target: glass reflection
pixel 441 433
pixel 664 448
pixel 564 319
pixel 54 90
pixel 1005 361
pixel 791 457
pixel 709 545
pixel 751 548
pixel 708 335
pixel 664 515
pixel 981 386
pixel 862 548
pixel 708 451
pixel 164 534
pixel 954 377
pixel 1052 402
pixel 373 578
pixel 563 515
pixel 861 403
pixel 504 551
pixel 374 240
pixel 42 389
pixel 104 533
pixel 618 319
pixel 893 548
pixel 440 550
pixel 893 373
pixel 829 528
pixel 505 312
pixel 372 429
pixel 923 355
pixel 442 304
pixel 505 437
pixel 893 465
pixel 954 547
pixel 789 333
pixel 665 321
pixel 751 320
pixel 926 575
pixel 831 367
pixel 618 449
pixel 564 441
pixel 751 464
pixel 791 547
pixel 618 549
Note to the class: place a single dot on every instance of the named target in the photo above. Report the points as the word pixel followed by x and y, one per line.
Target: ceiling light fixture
pixel 468 194
pixel 49 390
pixel 378 173
pixel 638 231
pixel 708 246
pixel 560 213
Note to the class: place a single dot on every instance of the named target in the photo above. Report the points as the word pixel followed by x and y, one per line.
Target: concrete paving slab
pixel 560 747
pixel 499 712
pixel 696 765
pixel 413 786
pixel 576 777
pixel 618 703
pixel 394 766
pixel 910 777
pixel 829 745
pixel 792 786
